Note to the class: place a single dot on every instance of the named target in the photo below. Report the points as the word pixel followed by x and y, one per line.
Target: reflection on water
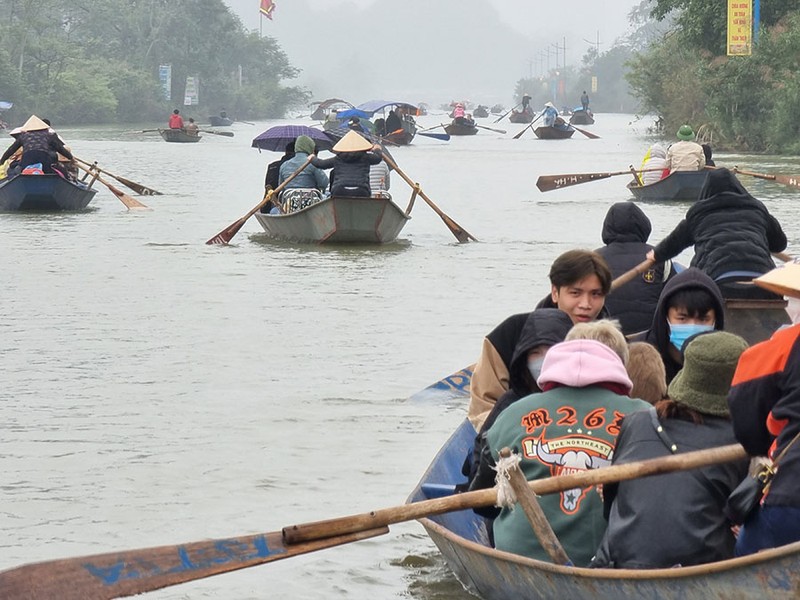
pixel 156 390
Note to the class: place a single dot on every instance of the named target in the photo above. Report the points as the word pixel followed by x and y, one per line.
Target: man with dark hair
pixel 689 303
pixel 579 282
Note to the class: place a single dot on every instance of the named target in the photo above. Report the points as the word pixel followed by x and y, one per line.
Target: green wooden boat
pixel 339 220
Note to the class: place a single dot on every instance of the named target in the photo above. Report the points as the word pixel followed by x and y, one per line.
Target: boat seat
pixel 294 199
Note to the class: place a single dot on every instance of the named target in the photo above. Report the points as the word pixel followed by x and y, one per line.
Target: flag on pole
pixel 267 6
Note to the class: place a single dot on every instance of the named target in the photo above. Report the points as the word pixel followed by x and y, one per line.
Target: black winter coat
pixel 730 230
pixel 351 172
pixel 671 519
pixel 625 232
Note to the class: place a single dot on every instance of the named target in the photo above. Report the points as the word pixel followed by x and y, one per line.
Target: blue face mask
pixel 679 333
pixel 535 367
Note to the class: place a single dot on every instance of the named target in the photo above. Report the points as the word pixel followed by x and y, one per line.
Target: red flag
pixel 267 6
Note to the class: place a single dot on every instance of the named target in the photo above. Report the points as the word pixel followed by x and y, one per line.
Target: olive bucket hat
pixel 685 133
pixel 709 362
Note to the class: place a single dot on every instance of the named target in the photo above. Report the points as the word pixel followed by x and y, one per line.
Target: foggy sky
pixel 432 50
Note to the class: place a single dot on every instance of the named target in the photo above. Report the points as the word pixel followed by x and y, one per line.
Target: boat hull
pixel 179 136
pixel 459 129
pixel 678 186
pixel 581 117
pixel 43 193
pixel 340 220
pixel 462 538
pixel 520 117
pixel 553 133
pixel 220 121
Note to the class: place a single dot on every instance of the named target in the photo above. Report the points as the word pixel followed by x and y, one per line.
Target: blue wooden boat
pixel 369 220
pixel 43 193
pixel 679 185
pixel 463 537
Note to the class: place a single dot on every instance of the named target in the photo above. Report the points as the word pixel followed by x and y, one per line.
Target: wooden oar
pixel 791 180
pixel 551 485
pixel 588 134
pixel 548 183
pixel 629 275
pixel 490 129
pixel 129 572
pixel 528 126
pixel 462 235
pixel 223 133
pixel 498 119
pixel 136 187
pixel 430 128
pixel 151 130
pixel 226 235
pixel 128 201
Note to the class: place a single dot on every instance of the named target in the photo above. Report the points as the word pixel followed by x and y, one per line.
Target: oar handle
pixel 629 275
pixel 468 500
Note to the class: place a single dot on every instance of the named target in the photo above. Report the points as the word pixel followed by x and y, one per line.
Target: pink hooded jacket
pixel 581 363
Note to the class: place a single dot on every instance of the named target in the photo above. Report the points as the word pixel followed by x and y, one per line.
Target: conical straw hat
pixel 784 280
pixel 34 124
pixel 352 142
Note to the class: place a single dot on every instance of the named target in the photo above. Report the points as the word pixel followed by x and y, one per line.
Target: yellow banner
pixel 740 27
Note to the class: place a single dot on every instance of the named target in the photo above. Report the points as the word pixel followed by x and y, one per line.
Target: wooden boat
pixel 43 193
pixel 339 220
pixel 404 136
pixel 179 136
pixel 498 109
pixel 463 537
pixel 460 129
pixel 480 112
pixel 218 121
pixel 680 185
pixel 582 117
pixel 553 133
pixel 520 116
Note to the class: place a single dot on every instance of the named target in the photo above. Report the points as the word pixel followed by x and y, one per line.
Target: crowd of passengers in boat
pixel 594 377
pixel 357 170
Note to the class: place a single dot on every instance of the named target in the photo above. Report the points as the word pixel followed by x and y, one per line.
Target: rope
pixel 506 498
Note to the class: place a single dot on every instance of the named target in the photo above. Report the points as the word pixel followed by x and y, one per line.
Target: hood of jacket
pixel 581 363
pixel 626 222
pixel 543 327
pixel 658 334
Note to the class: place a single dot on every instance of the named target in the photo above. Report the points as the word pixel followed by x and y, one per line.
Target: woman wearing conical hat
pixel 351 165
pixel 39 144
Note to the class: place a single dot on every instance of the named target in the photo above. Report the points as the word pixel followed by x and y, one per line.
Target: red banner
pixel 267 6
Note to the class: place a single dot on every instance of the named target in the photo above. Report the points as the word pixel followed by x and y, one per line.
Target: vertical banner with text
pixel 192 94
pixel 740 27
pixel 165 77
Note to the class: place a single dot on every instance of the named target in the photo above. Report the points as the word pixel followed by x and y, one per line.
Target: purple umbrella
pixel 276 138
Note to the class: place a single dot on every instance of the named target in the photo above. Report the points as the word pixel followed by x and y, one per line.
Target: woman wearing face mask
pixel 544 328
pixel 765 409
pixel 690 303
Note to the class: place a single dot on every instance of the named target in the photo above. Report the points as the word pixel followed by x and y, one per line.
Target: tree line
pixel 97 61
pixel 746 103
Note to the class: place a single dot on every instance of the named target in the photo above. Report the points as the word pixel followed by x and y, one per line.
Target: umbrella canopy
pixel 276 138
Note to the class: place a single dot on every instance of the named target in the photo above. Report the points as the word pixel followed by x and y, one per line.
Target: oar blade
pixel 548 183
pixel 137 187
pixel 224 237
pixel 588 134
pixel 126 573
pixel 127 200
pixel 519 135
pixel 437 136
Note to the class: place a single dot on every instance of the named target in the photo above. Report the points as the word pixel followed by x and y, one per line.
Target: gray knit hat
pixel 709 361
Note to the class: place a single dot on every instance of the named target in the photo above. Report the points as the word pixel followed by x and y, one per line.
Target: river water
pixel 155 390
